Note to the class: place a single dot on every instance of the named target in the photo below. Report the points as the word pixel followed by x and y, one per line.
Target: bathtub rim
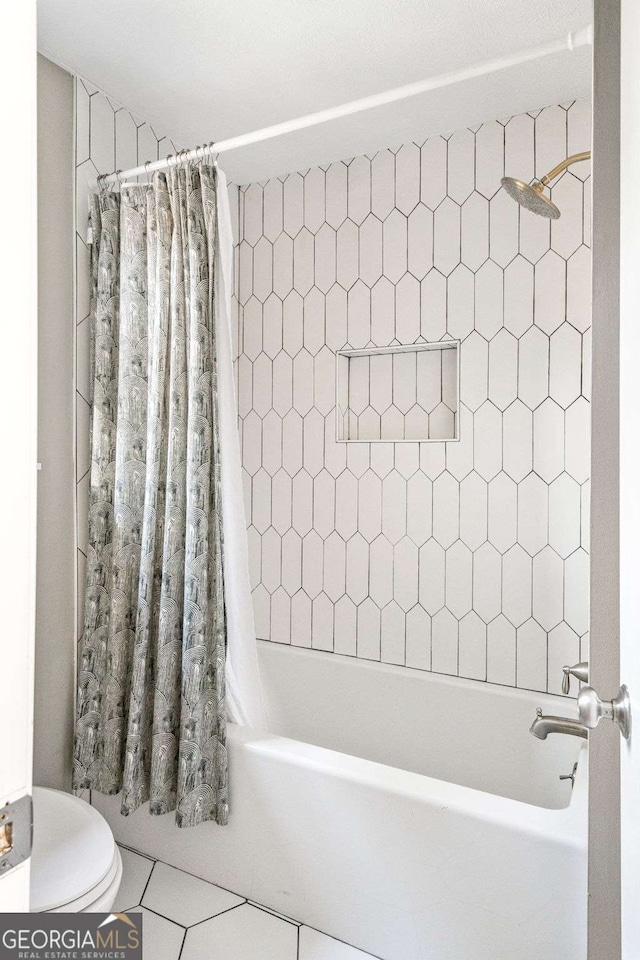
pixel 567 825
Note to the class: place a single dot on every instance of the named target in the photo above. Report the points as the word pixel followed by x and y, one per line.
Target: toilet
pixel 75 864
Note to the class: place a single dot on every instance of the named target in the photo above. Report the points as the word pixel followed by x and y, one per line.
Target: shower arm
pixel 548 177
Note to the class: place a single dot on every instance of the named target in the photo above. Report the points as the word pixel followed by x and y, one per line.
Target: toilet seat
pixel 75 863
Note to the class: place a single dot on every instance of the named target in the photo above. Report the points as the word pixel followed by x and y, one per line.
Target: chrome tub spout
pixel 542 726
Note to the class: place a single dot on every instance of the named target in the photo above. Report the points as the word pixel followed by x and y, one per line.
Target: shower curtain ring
pixel 146 170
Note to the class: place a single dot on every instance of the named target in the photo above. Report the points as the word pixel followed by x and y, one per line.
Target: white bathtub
pixel 409 814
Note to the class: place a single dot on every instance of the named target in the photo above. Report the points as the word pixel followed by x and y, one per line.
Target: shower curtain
pixel 168 648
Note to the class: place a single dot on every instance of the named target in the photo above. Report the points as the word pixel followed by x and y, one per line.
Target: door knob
pixel 591 709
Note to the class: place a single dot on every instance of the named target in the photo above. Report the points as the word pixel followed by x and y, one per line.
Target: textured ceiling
pixel 202 70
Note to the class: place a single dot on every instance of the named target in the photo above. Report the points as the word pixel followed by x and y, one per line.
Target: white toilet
pixel 75 864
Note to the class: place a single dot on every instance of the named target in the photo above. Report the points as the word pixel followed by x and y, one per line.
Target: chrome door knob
pixel 591 709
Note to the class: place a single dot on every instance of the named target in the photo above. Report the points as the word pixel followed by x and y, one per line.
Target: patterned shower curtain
pixel 151 676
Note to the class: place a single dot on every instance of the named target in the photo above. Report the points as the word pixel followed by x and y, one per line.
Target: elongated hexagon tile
pixel 418 639
pixel 392 634
pixel 446 510
pixel 516 585
pixel 565 365
pixel 272 208
pixel 394 507
pixel 420 241
pixel 336 198
pixel 487 431
pixel 431 576
pixel 293 204
pixel 501 652
pixel 301 620
pixel 459 579
pixel 433 162
pixel 282 266
pixel 407 177
pixel 533 367
pixel 394 246
pixel 381 571
pixel 357 568
pixel 489 159
pixel 576 600
pixel 383 183
pixel 502 503
pixel 533 513
pixel 444 643
pixel 531 654
pixel 473 647
pixel 487 582
pixel 345 627
pixel 446 237
pixel 564 515
pixel 579 289
pixel 518 296
pixel 322 623
pixel 475 231
pixel 368 630
pixel 566 232
pixel 548 588
pixel 550 292
pixel 473 511
pixel 548 440
pixel 503 369
pixel 405 574
pixel 489 299
pixel 460 304
pixel 460 165
pixel 359 189
pixel 419 508
pixel 517 440
pixel 519 134
pixel 503 229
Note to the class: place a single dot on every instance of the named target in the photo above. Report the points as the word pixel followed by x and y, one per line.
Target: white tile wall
pixel 468 558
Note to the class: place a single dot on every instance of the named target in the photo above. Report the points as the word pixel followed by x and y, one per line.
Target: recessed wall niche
pixel 398 394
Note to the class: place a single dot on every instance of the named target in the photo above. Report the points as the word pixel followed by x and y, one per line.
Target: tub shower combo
pixel 403 811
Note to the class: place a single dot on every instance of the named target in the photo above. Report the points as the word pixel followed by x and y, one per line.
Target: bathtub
pixel 409 814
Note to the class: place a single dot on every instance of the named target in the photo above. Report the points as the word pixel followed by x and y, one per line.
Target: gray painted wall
pixel 54 655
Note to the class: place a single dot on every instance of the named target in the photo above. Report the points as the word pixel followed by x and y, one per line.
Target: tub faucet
pixel 542 726
pixel 579 670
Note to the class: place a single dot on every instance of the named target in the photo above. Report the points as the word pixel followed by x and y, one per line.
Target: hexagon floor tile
pixel 187 918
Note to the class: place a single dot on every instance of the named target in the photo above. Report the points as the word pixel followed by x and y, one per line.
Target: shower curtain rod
pixel 572 41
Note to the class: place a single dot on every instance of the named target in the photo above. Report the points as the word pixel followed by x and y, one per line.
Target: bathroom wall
pixel 54 667
pixel 467 558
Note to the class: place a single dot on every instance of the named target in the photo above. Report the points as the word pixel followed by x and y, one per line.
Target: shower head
pixel 531 196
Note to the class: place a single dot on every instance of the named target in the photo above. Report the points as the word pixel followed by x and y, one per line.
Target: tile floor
pixel 186 918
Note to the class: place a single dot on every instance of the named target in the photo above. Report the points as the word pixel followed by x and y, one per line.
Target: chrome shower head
pixel 531 197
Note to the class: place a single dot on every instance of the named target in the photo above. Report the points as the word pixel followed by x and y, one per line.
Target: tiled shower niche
pixel 398 394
